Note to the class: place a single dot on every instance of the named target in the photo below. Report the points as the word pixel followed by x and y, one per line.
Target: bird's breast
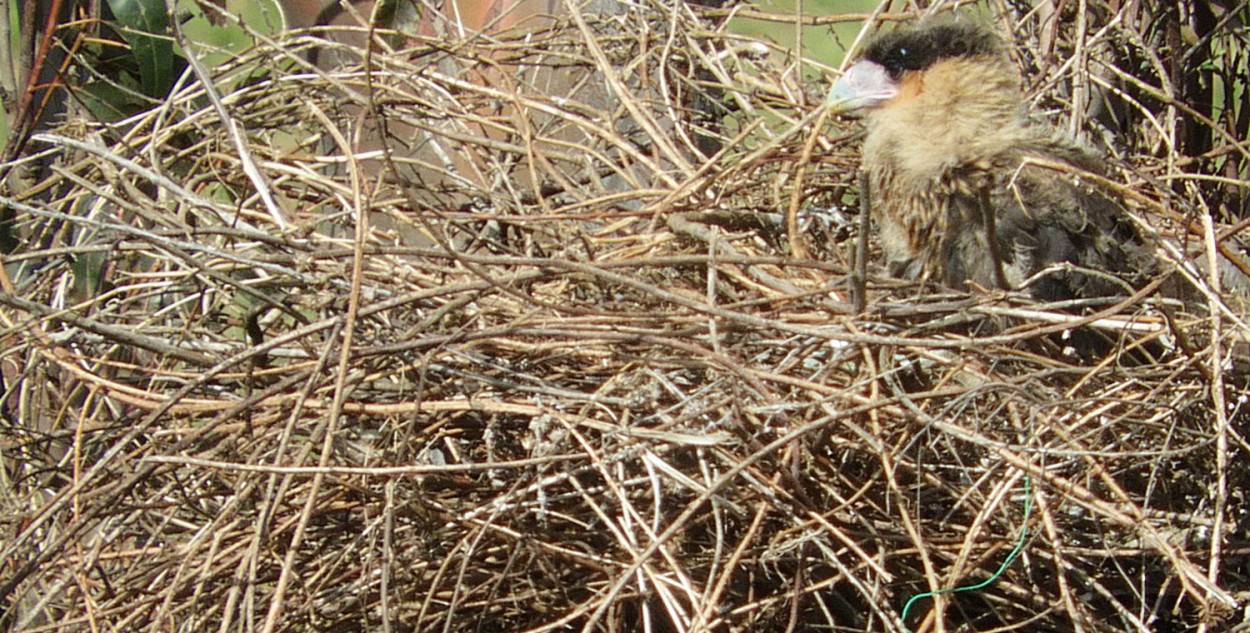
pixel 911 222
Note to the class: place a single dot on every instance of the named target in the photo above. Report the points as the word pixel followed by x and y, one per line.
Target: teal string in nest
pixel 1024 533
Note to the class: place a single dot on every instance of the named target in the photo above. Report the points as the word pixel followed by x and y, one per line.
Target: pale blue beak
pixel 864 85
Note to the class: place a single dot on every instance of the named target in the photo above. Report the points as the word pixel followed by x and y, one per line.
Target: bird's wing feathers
pixel 1048 215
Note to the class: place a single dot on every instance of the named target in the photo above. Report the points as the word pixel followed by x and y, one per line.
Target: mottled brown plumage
pixel 952 158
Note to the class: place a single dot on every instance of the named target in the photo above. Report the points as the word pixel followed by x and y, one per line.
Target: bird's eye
pixel 902 52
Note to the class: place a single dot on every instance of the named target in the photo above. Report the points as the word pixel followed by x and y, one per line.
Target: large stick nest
pixel 556 364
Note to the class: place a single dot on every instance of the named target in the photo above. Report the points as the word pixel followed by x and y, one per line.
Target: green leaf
pixel 88 270
pixel 108 102
pixel 145 25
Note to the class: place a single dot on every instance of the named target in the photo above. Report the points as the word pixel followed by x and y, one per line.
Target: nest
pixel 551 331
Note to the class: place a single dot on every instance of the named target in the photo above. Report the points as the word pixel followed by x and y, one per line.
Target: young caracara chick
pixel 953 159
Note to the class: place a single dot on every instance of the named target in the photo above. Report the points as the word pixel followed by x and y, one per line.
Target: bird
pixel 968 189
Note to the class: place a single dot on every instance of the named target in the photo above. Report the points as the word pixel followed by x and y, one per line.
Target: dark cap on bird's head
pixel 889 57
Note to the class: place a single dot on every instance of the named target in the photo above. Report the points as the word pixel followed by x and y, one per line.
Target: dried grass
pixel 559 374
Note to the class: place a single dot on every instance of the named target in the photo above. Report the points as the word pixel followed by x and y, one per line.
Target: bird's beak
pixel 864 85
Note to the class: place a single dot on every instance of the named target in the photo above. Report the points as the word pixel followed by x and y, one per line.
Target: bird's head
pixel 935 95
pixel 901 64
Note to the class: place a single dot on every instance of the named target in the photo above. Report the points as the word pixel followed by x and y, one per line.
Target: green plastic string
pixel 1024 534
